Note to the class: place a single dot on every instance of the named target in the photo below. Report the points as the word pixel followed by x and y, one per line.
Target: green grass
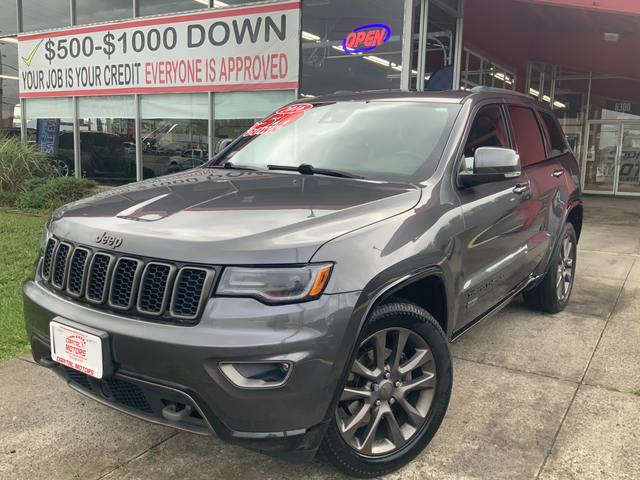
pixel 19 243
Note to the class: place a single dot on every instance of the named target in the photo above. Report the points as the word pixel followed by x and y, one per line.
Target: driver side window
pixel 488 130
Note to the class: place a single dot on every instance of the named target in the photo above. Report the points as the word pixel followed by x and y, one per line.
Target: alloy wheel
pixel 61 168
pixel 389 392
pixel 565 269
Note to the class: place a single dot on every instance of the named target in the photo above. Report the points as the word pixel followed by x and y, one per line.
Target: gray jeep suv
pixel 297 294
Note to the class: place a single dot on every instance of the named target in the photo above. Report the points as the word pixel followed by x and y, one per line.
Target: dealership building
pixel 121 90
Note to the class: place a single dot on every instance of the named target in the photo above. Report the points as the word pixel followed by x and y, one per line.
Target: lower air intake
pixel 79 378
pixel 128 395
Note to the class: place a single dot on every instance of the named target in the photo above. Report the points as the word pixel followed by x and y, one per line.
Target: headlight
pixel 45 237
pixel 275 285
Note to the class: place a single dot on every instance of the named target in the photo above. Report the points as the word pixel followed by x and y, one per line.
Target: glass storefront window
pixel 9 87
pixel 157 7
pixel 236 112
pixel 477 70
pixel 629 173
pixel 327 28
pixel 8 19
pixel 601 156
pixel 434 53
pixel 107 138
pixel 451 3
pixel 569 88
pixel 92 11
pixel 232 3
pixel 609 168
pixel 568 107
pixel 45 14
pixel 473 68
pixel 625 107
pixel 50 127
pixel 175 132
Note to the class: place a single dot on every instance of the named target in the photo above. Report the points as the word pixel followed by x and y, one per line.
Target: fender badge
pixel 109 240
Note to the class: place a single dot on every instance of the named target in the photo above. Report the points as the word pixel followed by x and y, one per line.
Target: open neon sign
pixel 366 38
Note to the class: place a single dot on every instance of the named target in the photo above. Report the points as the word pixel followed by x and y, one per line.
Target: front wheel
pixel 396 394
pixel 552 294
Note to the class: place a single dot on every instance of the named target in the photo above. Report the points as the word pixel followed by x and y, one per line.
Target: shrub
pixel 19 163
pixel 8 199
pixel 42 196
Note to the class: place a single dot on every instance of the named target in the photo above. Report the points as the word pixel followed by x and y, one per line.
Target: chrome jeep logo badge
pixel 110 240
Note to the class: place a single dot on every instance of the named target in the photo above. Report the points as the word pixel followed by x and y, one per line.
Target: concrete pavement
pixel 535 396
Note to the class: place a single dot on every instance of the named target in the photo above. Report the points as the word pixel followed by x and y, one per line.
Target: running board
pixel 497 307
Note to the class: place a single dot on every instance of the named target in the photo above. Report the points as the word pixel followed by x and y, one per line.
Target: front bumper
pixel 180 364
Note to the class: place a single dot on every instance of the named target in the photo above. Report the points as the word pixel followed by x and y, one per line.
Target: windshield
pixel 388 141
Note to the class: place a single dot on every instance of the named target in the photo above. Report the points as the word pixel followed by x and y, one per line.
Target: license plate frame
pixel 82 348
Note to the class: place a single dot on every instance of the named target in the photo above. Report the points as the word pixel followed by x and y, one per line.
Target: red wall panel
pixel 499 29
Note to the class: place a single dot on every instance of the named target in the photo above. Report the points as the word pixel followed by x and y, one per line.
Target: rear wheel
pixel 396 394
pixel 61 169
pixel 553 292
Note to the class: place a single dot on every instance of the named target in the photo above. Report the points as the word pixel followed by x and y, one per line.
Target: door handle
pixel 557 173
pixel 520 188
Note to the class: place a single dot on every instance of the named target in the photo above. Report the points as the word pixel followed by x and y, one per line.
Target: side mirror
pixel 491 164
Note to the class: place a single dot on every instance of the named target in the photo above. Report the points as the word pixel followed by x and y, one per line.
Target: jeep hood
pixel 219 216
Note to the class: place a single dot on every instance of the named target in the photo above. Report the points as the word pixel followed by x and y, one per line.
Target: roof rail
pixel 483 89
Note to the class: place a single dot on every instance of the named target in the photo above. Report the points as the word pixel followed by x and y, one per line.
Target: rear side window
pixel 556 137
pixel 528 135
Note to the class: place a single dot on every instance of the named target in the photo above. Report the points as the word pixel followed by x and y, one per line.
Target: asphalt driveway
pixel 535 396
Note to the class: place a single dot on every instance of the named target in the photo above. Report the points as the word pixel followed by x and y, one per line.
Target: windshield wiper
pixel 230 165
pixel 306 169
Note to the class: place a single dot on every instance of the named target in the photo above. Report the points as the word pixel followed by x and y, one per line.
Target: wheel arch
pixel 428 292
pixel 574 217
pixel 375 295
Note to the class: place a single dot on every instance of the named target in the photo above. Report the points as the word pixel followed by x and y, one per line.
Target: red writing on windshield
pixel 283 117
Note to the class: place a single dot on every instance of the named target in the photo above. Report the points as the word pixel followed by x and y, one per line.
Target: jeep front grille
pixel 149 288
pixel 60 265
pixel 77 271
pixel 98 273
pixel 48 257
pixel 190 285
pixel 124 283
pixel 155 289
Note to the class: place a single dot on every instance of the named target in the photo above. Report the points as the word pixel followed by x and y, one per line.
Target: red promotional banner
pixel 249 48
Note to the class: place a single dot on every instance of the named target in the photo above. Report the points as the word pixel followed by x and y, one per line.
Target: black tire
pixel 421 397
pixel 547 296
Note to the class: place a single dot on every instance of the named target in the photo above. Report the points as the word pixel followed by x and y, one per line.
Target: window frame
pixel 548 143
pixel 461 166
pixel 534 110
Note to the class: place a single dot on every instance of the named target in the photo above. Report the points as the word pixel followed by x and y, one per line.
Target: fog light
pixel 257 375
